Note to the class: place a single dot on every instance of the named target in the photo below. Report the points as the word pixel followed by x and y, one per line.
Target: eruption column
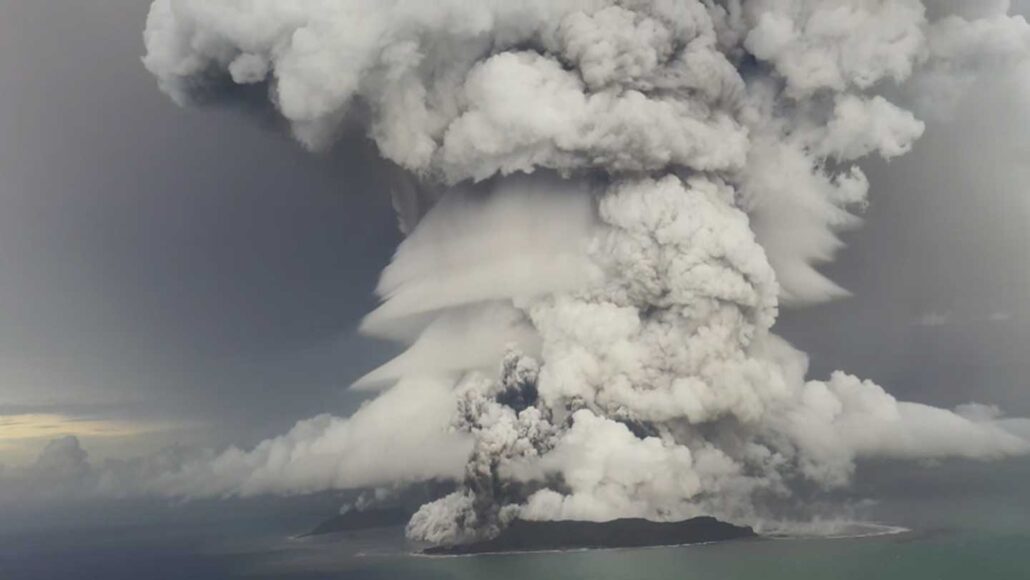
pixel 627 192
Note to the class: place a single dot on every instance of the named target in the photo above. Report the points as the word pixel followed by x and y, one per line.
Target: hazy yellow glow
pixel 21 436
pixel 34 426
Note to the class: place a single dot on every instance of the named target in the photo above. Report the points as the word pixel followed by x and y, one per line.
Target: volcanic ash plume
pixel 625 192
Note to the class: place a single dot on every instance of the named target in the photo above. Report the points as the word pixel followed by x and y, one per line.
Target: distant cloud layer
pixel 20 433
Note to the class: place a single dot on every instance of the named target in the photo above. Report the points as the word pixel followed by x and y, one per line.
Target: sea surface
pixel 960 521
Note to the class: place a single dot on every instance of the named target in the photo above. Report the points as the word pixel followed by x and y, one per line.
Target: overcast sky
pixel 169 266
pixel 194 275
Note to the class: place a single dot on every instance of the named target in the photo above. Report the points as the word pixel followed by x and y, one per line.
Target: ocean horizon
pixel 976 527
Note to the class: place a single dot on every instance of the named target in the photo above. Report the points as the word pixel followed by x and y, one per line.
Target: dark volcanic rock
pixel 533 536
pixel 362 520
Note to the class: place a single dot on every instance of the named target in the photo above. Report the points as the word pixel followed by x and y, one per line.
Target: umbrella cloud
pixel 610 202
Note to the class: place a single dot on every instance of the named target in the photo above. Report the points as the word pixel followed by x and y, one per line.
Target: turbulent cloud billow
pixel 609 202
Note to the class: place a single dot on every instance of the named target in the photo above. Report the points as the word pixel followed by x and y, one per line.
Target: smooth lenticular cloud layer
pixel 595 340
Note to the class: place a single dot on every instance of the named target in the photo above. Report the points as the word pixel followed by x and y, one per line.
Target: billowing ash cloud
pixel 622 194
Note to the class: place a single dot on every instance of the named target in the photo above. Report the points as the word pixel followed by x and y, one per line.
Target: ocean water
pixel 967 521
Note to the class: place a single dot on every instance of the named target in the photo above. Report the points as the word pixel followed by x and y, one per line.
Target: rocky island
pixel 536 536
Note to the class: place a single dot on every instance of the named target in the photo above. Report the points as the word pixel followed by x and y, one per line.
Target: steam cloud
pixel 622 194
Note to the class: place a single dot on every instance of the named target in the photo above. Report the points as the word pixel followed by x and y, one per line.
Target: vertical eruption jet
pixel 623 193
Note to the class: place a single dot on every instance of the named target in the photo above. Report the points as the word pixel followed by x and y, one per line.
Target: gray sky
pixel 940 270
pixel 169 265
pixel 197 273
